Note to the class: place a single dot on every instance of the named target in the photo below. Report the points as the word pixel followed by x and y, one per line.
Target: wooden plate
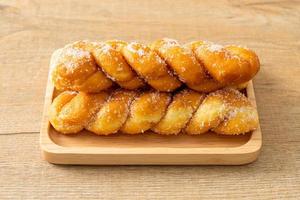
pixel 87 148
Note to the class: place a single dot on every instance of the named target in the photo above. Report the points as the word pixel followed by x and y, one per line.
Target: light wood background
pixel 31 30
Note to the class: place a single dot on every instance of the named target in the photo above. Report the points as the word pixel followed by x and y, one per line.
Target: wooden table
pixel 31 30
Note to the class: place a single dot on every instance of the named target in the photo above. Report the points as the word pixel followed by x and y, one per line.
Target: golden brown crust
pixel 150 66
pixel 71 111
pixel 225 111
pixel 164 65
pixel 146 111
pixel 179 112
pixel 113 114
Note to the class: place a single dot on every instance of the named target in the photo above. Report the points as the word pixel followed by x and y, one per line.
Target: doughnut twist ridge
pixel 225 111
pixel 164 65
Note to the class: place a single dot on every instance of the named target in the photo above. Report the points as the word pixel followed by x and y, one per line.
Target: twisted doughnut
pixel 225 111
pixel 164 65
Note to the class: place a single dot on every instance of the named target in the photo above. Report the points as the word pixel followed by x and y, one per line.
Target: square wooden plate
pixel 86 148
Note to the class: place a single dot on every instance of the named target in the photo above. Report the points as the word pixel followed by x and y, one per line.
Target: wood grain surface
pixel 31 30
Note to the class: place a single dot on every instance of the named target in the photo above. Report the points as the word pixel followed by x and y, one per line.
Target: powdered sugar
pixel 159 60
pixel 106 49
pixel 132 47
pixel 170 42
pixel 141 52
pixel 215 47
pixel 77 53
pixel 70 65
pixel 137 48
pixel 167 44
pixel 77 57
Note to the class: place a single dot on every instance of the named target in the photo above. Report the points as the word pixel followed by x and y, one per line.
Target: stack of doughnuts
pixel 164 87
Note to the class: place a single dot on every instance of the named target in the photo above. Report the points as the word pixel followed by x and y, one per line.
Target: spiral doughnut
pixel 164 65
pixel 225 111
